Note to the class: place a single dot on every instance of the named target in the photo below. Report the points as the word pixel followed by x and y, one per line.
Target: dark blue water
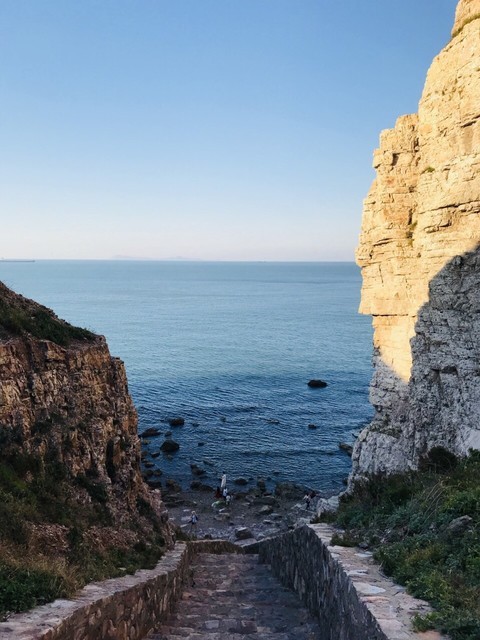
pixel 230 347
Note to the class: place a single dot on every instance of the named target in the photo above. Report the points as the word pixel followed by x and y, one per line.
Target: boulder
pixel 242 533
pixel 266 510
pixel 150 432
pixel 240 481
pixel 176 422
pixel 155 454
pixel 458 526
pixel 170 446
pixel 317 384
pixel 312 426
pixel 261 484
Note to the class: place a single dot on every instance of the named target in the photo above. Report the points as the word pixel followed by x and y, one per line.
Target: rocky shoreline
pixel 251 516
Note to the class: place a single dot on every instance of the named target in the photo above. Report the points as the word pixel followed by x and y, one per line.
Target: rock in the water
pixel 197 471
pixel 344 446
pixel 312 426
pixel 261 484
pixel 240 481
pixel 172 485
pixel 168 434
pixel 317 384
pixel 148 465
pixel 169 446
pixel 243 533
pixel 150 432
pixel 155 454
pixel 176 422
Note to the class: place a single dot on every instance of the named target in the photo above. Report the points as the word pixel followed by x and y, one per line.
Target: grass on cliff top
pixel 35 495
pixel 411 523
pixel 39 322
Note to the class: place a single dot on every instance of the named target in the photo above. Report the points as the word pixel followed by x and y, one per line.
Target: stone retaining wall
pixel 118 609
pixel 342 586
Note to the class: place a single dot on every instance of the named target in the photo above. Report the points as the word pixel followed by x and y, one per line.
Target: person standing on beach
pixel 193 523
pixel 223 483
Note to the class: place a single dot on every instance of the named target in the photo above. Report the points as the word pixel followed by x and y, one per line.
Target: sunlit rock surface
pixel 419 254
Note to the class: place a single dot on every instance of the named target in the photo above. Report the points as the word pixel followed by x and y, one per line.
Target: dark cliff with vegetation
pixel 73 505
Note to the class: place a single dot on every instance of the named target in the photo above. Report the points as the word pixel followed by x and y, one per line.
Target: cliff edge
pixel 420 257
pixel 70 482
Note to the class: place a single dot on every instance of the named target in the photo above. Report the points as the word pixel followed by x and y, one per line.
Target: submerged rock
pixel 197 471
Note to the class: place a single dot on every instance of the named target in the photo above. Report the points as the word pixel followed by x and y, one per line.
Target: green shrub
pixel 407 518
pixel 22 589
pixel 40 323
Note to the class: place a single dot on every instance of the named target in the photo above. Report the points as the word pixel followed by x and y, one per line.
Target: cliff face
pixel 420 259
pixel 64 405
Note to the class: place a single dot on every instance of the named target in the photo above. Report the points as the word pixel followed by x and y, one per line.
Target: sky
pixel 201 129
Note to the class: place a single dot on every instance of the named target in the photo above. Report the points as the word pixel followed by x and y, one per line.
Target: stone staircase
pixel 232 596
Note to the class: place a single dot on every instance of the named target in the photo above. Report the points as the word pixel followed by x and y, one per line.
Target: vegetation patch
pixel 41 497
pixel 39 322
pixel 424 528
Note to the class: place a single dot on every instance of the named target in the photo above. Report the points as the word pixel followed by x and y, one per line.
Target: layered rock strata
pixel 420 259
pixel 65 406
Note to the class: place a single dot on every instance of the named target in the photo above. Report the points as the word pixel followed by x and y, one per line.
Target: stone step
pixel 230 597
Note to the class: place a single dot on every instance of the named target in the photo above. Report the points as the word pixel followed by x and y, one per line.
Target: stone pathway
pixel 232 597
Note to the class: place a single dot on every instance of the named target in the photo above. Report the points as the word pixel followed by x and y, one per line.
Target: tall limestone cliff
pixel 69 449
pixel 420 257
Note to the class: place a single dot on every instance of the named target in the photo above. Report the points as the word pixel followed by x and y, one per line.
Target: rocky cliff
pixel 420 259
pixel 68 435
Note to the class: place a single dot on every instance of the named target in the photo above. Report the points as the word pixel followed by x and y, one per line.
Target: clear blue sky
pixel 206 129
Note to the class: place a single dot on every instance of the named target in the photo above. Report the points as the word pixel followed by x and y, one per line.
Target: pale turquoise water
pixel 229 346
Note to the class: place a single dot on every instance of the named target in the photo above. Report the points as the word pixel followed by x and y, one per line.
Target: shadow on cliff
pixel 440 405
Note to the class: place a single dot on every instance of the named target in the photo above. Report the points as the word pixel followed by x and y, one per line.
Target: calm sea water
pixel 230 347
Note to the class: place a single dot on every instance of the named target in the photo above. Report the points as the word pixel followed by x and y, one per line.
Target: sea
pixel 229 347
